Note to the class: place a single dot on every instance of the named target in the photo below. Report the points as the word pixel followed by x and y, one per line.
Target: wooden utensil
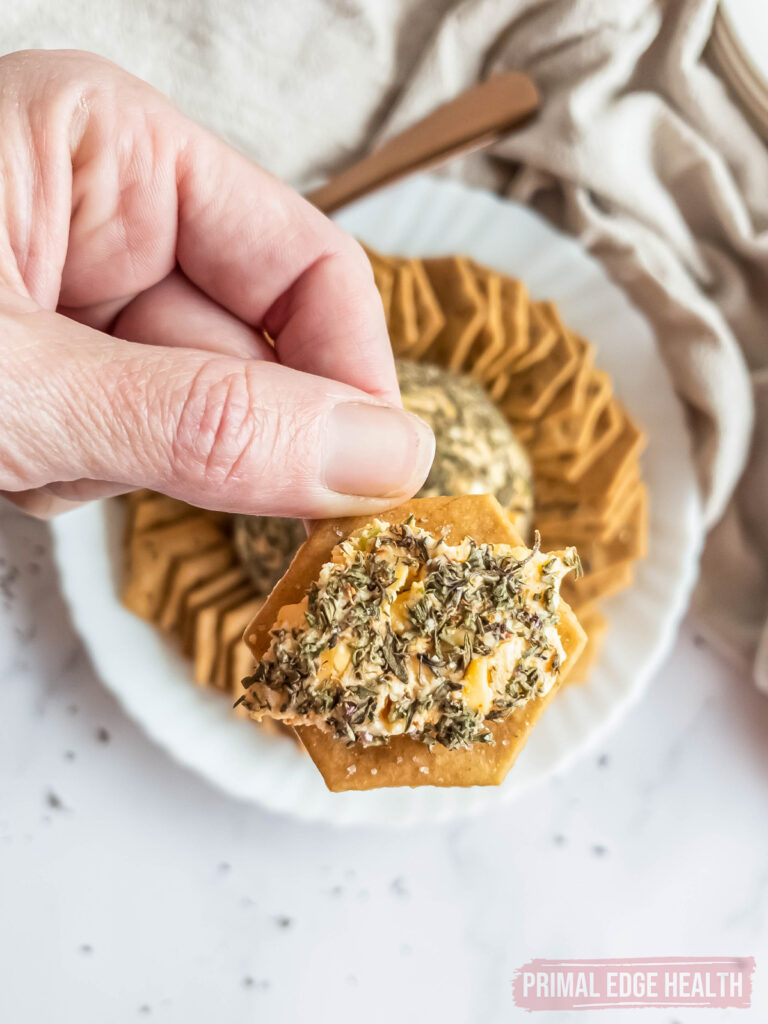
pixel 476 118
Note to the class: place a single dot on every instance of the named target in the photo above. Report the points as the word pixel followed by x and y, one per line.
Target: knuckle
pixel 222 431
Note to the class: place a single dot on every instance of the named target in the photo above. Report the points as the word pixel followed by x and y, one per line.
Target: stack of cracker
pixel 181 573
pixel 584 447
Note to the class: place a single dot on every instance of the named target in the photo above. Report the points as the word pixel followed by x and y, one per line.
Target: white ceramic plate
pixel 426 216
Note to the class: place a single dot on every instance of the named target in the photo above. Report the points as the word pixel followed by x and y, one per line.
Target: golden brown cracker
pixel 515 325
pixel 497 385
pixel 595 625
pixel 152 509
pixel 208 622
pixel 599 483
pixel 139 495
pixel 462 305
pixel 629 540
pixel 202 595
pixel 544 327
pixel 404 761
pixel 242 665
pixel 599 585
pixel 230 636
pixel 530 392
pixel 189 571
pixel 403 322
pixel 429 316
pixel 632 531
pixel 151 553
pixel 489 342
pixel 572 465
pixel 562 525
pixel 570 420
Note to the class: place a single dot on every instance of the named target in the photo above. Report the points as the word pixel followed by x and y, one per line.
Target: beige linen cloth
pixel 640 151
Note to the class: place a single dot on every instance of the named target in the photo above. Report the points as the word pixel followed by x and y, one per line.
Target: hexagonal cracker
pixel 429 316
pixel 595 626
pixel 569 422
pixel 580 522
pixel 544 328
pixel 463 307
pixel 515 325
pixel 403 761
pixel 603 478
pixel 489 343
pixel 150 556
pixel 188 571
pixel 403 321
pixel 531 392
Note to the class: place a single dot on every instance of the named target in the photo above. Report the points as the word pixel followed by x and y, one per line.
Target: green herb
pixel 413 677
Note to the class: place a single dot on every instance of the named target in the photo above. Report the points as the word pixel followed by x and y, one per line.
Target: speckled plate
pixel 427 215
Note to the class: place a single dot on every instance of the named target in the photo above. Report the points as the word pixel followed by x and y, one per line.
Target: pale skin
pixel 141 262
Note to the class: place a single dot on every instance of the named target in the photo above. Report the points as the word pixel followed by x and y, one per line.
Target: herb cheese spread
pixel 404 634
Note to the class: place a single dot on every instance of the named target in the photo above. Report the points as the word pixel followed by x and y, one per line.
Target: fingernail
pixel 376 451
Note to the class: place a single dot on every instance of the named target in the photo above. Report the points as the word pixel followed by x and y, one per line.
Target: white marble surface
pixel 130 890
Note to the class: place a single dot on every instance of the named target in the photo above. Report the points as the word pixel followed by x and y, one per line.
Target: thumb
pixel 215 431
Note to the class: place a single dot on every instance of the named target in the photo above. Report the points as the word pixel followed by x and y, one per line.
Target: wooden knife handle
pixel 477 117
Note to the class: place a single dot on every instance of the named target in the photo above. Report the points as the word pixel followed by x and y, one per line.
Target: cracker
pixel 230 636
pixel 136 497
pixel 572 465
pixel 202 595
pixel 595 626
pixel 242 665
pixel 463 306
pixel 498 385
pixel 530 392
pixel 151 554
pixel 629 539
pixel 403 761
pixel 429 316
pixel 629 542
pixel 515 326
pixel 569 422
pixel 187 572
pixel 403 323
pixel 542 337
pixel 145 509
pixel 622 502
pixel 604 476
pixel 581 521
pixel 489 342
pixel 544 326
pixel 208 631
pixel 598 585
pixel 151 509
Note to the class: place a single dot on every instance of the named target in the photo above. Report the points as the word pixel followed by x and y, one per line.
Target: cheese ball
pixel 476 450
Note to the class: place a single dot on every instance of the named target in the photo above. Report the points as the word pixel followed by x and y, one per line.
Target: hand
pixel 124 220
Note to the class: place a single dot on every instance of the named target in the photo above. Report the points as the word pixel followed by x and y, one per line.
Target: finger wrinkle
pixel 217 422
